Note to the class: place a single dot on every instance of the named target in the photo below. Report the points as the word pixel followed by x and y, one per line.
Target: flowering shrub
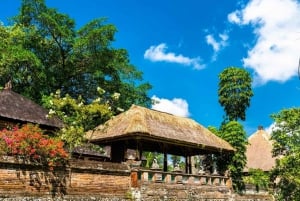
pixel 78 116
pixel 30 144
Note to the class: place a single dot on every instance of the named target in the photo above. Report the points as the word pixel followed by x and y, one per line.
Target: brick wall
pixel 91 180
pixel 81 179
pixel 99 178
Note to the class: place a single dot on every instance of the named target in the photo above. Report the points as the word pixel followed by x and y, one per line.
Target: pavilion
pixel 145 129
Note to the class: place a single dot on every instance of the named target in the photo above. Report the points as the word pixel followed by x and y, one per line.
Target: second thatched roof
pixel 18 108
pixel 259 151
pixel 159 126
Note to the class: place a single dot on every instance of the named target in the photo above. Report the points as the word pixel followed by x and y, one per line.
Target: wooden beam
pixel 165 162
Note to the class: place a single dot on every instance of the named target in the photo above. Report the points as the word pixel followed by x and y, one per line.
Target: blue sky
pixel 182 46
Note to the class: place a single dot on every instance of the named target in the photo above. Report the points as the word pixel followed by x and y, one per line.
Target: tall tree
pixel 75 62
pixel 235 92
pixel 286 147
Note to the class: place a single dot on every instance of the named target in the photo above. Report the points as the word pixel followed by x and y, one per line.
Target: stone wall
pixel 99 178
pixel 157 185
pixel 91 180
pixel 182 192
pixel 80 180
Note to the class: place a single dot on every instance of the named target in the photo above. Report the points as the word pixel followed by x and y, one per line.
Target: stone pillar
pixel 194 165
pixel 134 179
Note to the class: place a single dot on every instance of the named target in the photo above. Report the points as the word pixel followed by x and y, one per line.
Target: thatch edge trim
pixel 154 138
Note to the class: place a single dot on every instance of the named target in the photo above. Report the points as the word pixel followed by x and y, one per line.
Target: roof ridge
pixel 158 111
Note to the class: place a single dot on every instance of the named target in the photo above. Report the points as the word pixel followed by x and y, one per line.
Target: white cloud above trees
pixel 159 53
pixel 276 23
pixel 270 128
pixel 176 106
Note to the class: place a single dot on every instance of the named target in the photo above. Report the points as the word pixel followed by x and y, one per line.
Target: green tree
pixel 235 92
pixel 258 178
pixel 214 130
pixel 53 55
pixel 17 63
pixel 286 148
pixel 233 132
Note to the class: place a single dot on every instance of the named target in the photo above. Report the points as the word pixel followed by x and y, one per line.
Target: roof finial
pixel 8 85
pixel 260 127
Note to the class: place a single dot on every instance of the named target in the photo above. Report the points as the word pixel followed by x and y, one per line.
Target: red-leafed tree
pixel 29 144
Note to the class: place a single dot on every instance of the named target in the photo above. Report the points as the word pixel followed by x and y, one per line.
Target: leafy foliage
pixel 28 143
pixel 17 63
pixel 235 92
pixel 258 178
pixel 78 117
pixel 286 147
pixel 214 130
pixel 234 133
pixel 43 52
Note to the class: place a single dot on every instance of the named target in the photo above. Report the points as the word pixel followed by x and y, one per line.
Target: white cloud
pixel 224 38
pixel 277 28
pixel 211 41
pixel 176 106
pixel 217 45
pixel 158 53
pixel 270 128
pixel 235 17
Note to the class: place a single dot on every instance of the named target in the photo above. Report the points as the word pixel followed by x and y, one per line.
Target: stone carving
pixel 177 168
pixel 201 165
pixel 214 165
pixel 155 164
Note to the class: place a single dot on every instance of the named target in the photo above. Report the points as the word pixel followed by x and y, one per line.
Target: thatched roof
pixel 259 151
pixel 142 123
pixel 16 107
pixel 88 150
